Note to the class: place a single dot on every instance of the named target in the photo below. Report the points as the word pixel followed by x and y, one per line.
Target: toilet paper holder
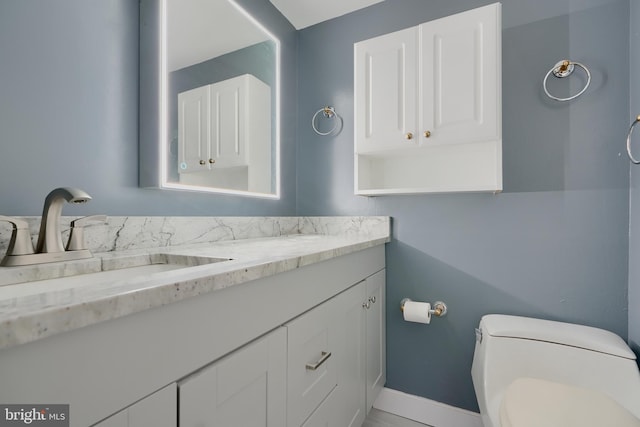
pixel 439 308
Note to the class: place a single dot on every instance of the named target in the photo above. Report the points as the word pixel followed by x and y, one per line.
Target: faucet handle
pixel 81 222
pixel 20 243
pixel 76 236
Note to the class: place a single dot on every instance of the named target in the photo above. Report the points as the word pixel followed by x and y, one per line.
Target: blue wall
pixel 554 244
pixel 69 111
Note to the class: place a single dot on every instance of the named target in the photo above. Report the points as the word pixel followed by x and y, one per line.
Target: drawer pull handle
pixel 323 358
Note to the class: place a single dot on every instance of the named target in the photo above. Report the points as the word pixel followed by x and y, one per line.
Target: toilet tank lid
pixel 587 337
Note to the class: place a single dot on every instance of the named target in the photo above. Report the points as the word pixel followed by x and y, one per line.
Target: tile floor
pixel 378 418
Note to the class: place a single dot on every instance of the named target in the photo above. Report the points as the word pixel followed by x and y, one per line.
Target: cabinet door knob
pixel 212 161
pixel 427 133
pixel 202 162
pixel 372 299
pixel 408 135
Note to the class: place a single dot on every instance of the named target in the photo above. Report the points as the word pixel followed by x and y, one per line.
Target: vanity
pixel 286 328
pixel 198 321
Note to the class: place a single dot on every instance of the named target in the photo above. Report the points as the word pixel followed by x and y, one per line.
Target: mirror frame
pixel 154 107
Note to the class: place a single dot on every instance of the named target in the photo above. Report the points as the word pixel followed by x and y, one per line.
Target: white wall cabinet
pixel 428 107
pixel 158 410
pixel 386 92
pixel 193 118
pixel 226 125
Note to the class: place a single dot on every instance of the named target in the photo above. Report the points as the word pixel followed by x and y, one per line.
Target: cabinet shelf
pixel 439 169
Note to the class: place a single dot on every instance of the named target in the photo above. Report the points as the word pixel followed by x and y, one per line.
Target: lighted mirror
pixel 209 98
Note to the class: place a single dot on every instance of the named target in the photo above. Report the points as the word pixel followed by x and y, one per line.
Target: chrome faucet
pixel 49 247
pixel 50 236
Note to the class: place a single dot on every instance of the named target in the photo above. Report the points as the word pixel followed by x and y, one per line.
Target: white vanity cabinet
pixel 375 352
pixel 232 357
pixel 313 351
pixel 428 107
pixel 322 368
pixel 336 358
pixel 246 388
pixel 222 126
pixel 157 410
pixel 350 396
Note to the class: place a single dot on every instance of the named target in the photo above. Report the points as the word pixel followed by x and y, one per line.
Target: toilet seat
pixel 530 402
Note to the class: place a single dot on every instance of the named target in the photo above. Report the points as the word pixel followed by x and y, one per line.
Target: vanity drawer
pixel 326 415
pixel 312 362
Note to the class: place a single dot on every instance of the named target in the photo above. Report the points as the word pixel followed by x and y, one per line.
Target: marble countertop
pixel 29 311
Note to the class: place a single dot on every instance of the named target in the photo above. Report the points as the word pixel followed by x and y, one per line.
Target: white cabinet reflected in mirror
pixel 209 99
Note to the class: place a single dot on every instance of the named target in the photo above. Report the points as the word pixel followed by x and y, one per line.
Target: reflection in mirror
pixel 218 98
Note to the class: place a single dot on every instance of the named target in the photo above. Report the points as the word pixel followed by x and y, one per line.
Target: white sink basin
pixel 29 280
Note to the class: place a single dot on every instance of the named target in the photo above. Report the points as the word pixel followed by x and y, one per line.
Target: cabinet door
pixel 376 361
pixel 227 122
pixel 193 130
pixel 158 410
pixel 246 388
pixel 121 419
pixel 386 85
pixel 352 358
pixel 460 96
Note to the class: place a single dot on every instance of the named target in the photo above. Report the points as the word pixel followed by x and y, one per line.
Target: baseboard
pixel 425 411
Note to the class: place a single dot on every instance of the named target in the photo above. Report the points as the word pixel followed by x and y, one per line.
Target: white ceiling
pixel 198 30
pixel 304 13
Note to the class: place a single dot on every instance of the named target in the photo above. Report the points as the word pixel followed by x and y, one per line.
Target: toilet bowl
pixel 530 402
pixel 528 372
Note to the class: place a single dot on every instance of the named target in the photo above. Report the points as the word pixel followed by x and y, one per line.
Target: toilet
pixel 531 372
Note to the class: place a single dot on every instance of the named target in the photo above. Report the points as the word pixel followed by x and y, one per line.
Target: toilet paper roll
pixel 417 312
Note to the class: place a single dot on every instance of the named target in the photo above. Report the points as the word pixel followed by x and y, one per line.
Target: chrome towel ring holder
pixel 328 112
pixel 564 69
pixel 633 124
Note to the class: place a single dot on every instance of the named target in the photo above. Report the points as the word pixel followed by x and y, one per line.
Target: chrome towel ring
pixel 564 69
pixel 633 124
pixel 328 113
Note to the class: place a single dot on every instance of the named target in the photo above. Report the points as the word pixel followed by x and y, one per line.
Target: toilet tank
pixel 509 347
